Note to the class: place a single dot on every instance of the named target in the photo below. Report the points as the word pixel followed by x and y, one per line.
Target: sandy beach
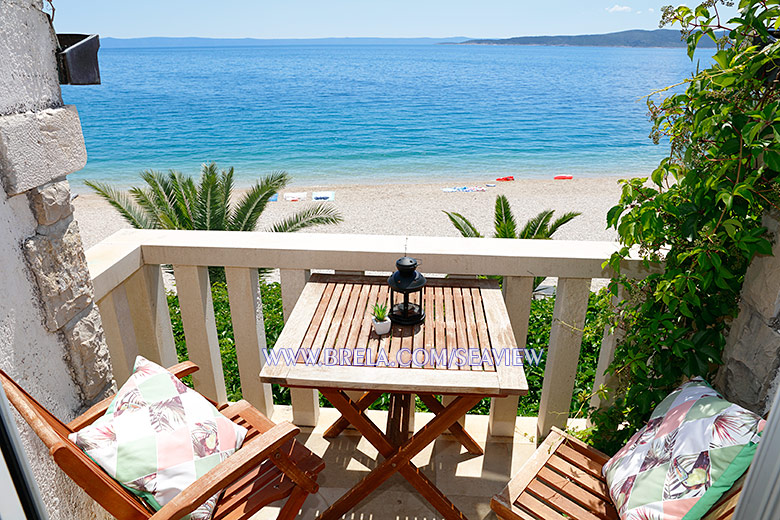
pixel 415 209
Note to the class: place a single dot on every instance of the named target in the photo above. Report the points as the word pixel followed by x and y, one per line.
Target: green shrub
pixel 539 324
pixel 700 211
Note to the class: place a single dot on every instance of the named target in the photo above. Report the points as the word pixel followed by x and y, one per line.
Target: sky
pixel 353 18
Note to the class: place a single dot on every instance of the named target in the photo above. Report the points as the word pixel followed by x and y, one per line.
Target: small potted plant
pixel 379 319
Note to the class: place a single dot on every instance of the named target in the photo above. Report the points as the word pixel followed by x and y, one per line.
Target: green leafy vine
pixel 700 212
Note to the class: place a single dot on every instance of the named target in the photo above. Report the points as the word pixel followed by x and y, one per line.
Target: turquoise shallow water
pixel 374 114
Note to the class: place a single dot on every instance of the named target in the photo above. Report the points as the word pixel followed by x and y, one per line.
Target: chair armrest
pixel 180 370
pixel 183 369
pixel 227 472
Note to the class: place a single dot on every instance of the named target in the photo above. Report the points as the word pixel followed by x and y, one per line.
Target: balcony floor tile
pixel 469 481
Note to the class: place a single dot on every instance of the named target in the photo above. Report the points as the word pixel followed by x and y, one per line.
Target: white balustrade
pixel 126 271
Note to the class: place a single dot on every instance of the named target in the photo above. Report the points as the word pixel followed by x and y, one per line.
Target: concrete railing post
pixel 148 310
pixel 305 403
pixel 246 313
pixel 571 306
pixel 200 330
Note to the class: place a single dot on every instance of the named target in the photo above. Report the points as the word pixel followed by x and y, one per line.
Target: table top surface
pixel 465 345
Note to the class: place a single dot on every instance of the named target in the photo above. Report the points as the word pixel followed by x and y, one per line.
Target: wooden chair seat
pixel 270 466
pixel 265 483
pixel 562 481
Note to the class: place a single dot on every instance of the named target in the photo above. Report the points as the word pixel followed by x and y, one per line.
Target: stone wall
pixel 51 338
pixel 750 375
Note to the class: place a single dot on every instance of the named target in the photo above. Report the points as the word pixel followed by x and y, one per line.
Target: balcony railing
pixel 128 280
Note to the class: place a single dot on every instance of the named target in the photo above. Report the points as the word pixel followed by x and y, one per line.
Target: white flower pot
pixel 381 327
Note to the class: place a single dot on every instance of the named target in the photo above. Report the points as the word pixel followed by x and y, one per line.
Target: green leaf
pixel 772 159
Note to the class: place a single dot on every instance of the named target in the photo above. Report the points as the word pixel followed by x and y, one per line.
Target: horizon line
pixel 381 37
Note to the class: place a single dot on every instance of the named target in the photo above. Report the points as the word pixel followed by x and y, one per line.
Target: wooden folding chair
pixel 563 480
pixel 270 466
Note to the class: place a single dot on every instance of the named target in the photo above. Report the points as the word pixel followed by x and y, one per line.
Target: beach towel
pixel 464 189
pixel 509 178
pixel 274 197
pixel 295 196
pixel 323 195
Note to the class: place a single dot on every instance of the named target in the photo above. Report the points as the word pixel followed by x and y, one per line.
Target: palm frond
pixel 505 226
pixel 158 194
pixel 190 191
pixel 183 190
pixel 463 225
pixel 560 221
pixel 208 196
pixel 253 202
pixel 226 191
pixel 312 216
pixel 536 227
pixel 121 201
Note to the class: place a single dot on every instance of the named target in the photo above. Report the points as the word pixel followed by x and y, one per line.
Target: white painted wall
pixel 28 351
pixel 34 356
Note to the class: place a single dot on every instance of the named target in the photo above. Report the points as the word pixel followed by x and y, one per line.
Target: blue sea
pixel 374 113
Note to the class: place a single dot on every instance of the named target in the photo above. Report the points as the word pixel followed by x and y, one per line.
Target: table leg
pixel 456 429
pixel 397 460
pixel 398 418
pixel 342 424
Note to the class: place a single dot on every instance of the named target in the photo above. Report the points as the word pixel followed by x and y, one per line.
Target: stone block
pixel 37 148
pixel 87 354
pixel 60 268
pixel 761 288
pixel 51 202
pixel 750 361
pixel 28 67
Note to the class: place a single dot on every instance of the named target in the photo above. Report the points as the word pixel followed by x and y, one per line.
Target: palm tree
pixel 541 226
pixel 175 201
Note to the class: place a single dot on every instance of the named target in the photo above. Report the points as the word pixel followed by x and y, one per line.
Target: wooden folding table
pixel 465 348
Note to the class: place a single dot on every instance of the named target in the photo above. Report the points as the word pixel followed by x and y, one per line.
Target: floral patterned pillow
pixel 158 437
pixel 692 450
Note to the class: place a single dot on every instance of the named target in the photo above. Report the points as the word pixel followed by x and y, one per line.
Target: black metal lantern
pixel 406 280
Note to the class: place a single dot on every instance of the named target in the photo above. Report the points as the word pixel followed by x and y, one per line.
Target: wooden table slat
pixel 502 338
pixel 428 328
pixel 362 341
pixel 336 320
pixel 440 341
pixel 349 321
pixel 327 317
pixel 375 343
pixel 471 327
pixel 316 320
pixel 449 327
pixel 362 316
pixel 460 327
pixel 482 330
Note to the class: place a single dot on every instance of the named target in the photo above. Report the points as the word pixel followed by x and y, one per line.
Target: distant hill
pixel 109 42
pixel 632 38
